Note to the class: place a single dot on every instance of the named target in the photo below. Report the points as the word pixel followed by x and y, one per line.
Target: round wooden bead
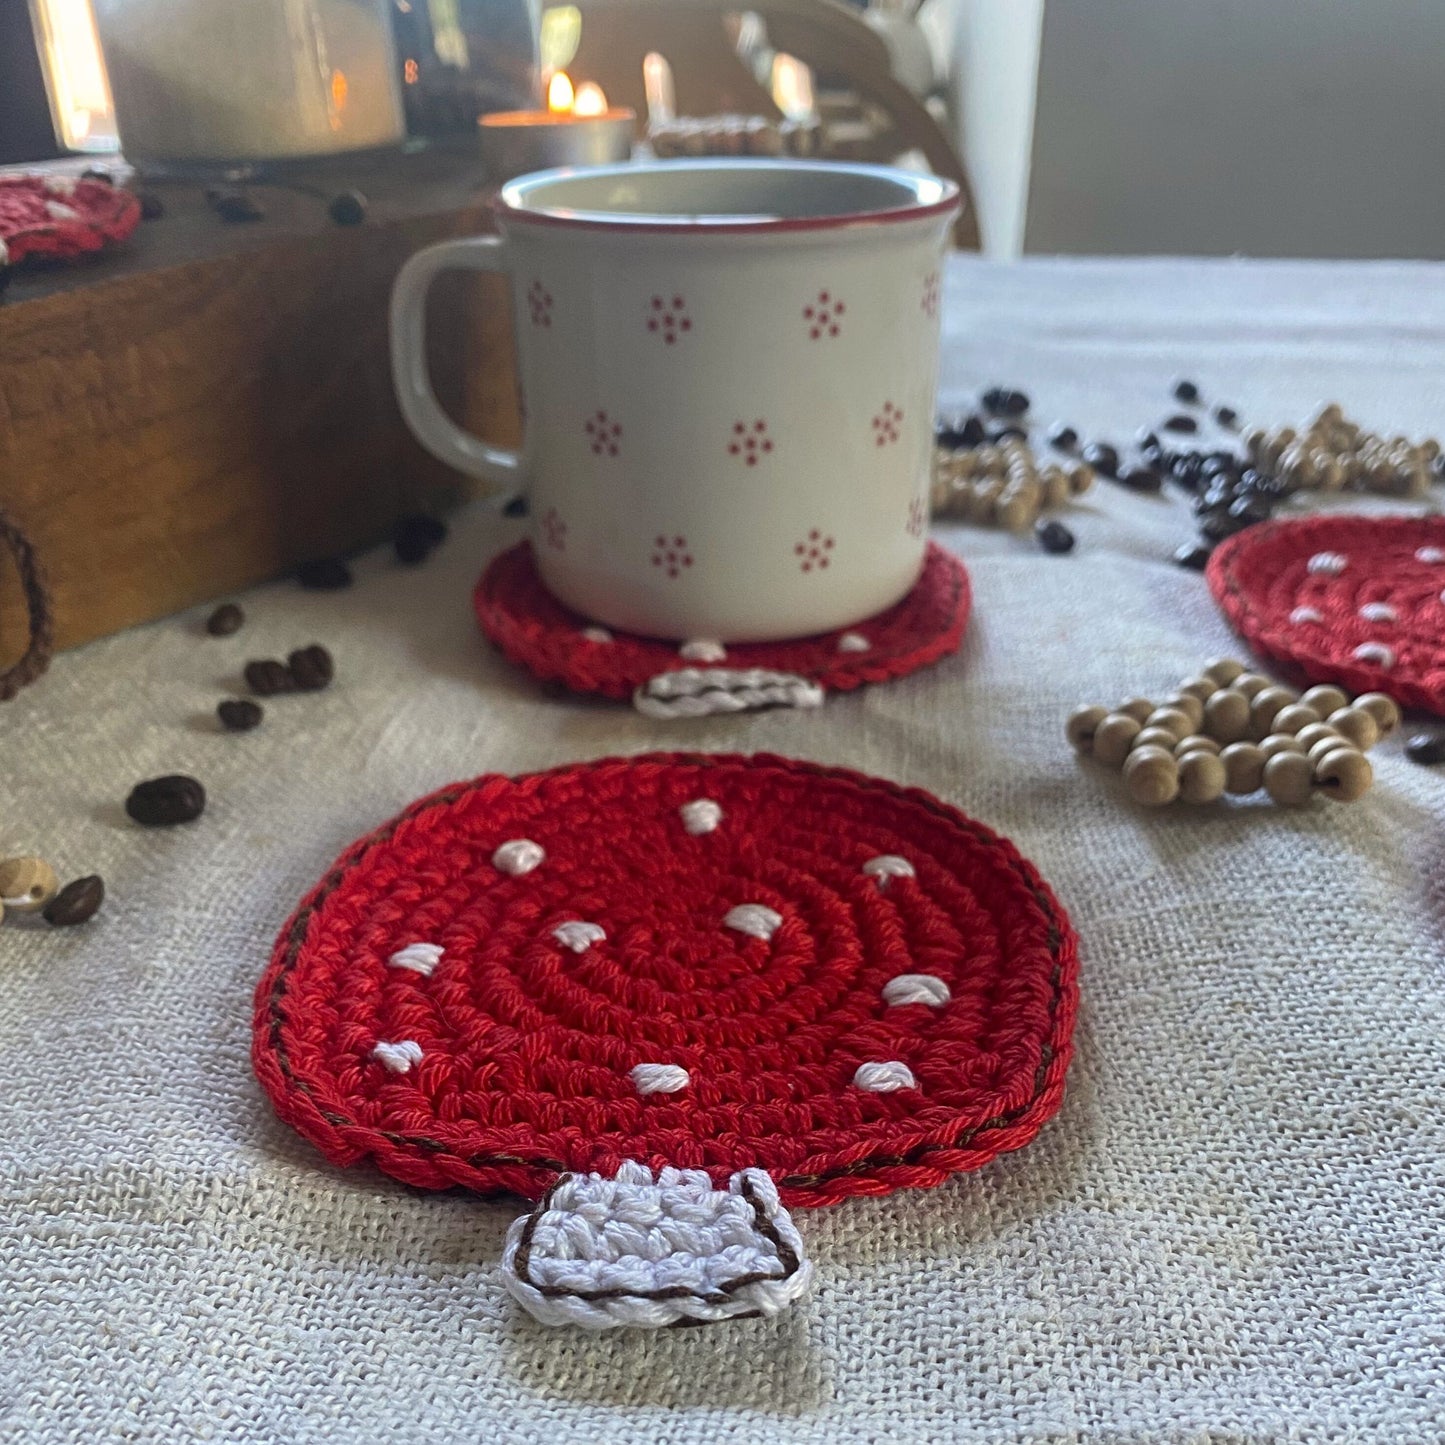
pixel 1201 687
pixel 1294 717
pixel 1322 746
pixel 1191 706
pixel 1201 777
pixel 1195 743
pixel 1112 738
pixel 1266 705
pixel 1137 708
pixel 1152 777
pixel 1226 716
pixel 1082 723
pixel 1289 779
pixel 1280 743
pixel 1357 725
pixel 1326 698
pixel 1251 684
pixel 1165 738
pixel 1243 768
pixel 27 884
pixel 1383 708
pixel 1223 670
pixel 1172 721
pixel 1344 774
pixel 1307 737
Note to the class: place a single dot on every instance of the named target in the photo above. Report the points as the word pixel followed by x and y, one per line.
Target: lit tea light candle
pixel 578 128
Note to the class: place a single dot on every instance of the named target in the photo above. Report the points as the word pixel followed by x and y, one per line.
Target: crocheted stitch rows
pixel 535 631
pixel 753 999
pixel 1345 598
pixel 57 217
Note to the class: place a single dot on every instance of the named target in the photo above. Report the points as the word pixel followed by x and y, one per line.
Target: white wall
pixel 1267 127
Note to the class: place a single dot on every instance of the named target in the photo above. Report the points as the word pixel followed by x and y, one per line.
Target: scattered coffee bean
pixel 1053 536
pixel 1141 479
pixel 239 714
pixel 76 903
pixel 1180 422
pixel 1186 391
pixel 1147 440
pixel 325 574
pixel 959 432
pixel 416 535
pixel 226 620
pixel 1063 438
pixel 236 206
pixel 1000 401
pixel 164 802
pixel 1194 555
pixel 1427 748
pixel 311 668
pixel 1226 416
pixel 1217 524
pixel 152 208
pixel 347 209
pixel 1251 510
pixel 1103 458
pixel 516 507
pixel 998 434
pixel 267 678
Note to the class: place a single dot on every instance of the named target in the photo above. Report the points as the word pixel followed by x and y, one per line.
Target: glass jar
pixel 232 82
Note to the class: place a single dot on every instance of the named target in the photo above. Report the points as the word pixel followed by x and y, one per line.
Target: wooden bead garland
pixel 1251 733
pixel 1333 454
pixel 1002 484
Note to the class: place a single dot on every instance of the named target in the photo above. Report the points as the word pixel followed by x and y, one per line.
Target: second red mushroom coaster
pixel 666 679
pixel 670 998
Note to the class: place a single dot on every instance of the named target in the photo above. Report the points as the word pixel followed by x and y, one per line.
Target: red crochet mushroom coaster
pixel 669 996
pixel 533 629
pixel 1346 598
pixel 61 216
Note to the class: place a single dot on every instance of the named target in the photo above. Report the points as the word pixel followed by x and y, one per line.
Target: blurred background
pixel 1259 127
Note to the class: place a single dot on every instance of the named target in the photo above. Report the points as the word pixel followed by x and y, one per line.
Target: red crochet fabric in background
pixel 1345 598
pixel 535 631
pixel 58 217
pixel 422 1008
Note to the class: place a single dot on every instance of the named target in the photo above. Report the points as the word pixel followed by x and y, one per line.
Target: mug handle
pixel 436 431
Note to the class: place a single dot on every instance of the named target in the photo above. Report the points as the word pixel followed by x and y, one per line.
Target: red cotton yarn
pixel 61 217
pixel 708 961
pixel 537 632
pixel 1345 598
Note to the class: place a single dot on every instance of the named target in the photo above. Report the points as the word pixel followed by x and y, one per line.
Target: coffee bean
pixel 1053 536
pixel 1141 479
pixel 1427 748
pixel 1217 524
pixel 1007 433
pixel 1063 438
pixel 76 902
pixel 347 209
pixel 311 668
pixel 415 536
pixel 1194 555
pixel 959 432
pixel 325 574
pixel 1103 458
pixel 1147 440
pixel 1186 391
pixel 236 206
pixel 1226 416
pixel 226 620
pixel 152 208
pixel 516 507
pixel 164 802
pixel 1180 422
pixel 1000 401
pixel 239 714
pixel 1251 510
pixel 267 678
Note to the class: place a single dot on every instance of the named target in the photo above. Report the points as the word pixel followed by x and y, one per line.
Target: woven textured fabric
pixel 1344 598
pixel 708 962
pixel 533 629
pixel 57 217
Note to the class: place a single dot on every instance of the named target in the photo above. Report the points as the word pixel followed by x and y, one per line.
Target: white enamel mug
pixel 728 372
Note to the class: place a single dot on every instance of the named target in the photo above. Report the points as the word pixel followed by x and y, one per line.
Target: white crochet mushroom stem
pixel 578 935
pixel 644 1251
pixel 518 856
pixel 399 1056
pixel 659 1078
pixel 885 1078
pixel 420 958
pixel 702 692
pixel 757 920
pixel 702 815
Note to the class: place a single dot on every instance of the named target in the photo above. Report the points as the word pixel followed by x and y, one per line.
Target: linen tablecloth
pixel 1233 1230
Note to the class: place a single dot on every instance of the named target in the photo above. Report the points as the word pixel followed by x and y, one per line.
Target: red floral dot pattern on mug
pixel 539 304
pixel 604 434
pixel 813 551
pixel 750 442
pixel 824 317
pixel 886 425
pixel 555 530
pixel 671 555
pixel 668 318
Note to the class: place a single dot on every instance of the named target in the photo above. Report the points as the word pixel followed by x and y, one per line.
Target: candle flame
pixel 591 99
pixel 560 95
